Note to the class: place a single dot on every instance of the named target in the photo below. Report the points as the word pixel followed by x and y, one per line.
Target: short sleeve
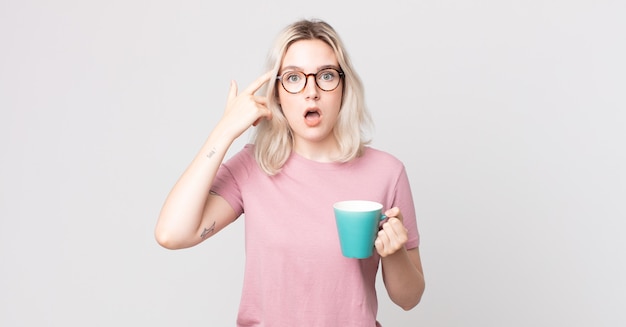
pixel 227 180
pixel 403 199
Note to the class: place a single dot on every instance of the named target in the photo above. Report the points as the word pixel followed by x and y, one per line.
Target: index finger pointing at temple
pixel 256 85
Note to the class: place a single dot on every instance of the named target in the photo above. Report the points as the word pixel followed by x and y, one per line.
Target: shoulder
pixel 246 153
pixel 380 157
pixel 243 158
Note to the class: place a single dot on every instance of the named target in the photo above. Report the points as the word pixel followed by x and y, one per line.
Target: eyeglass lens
pixel 326 79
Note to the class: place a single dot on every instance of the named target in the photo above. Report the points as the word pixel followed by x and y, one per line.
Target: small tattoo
pixel 207 231
pixel 211 153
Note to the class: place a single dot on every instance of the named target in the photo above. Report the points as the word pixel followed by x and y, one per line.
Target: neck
pixel 325 151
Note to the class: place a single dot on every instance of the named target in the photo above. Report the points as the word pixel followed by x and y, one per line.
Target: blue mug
pixel 357 226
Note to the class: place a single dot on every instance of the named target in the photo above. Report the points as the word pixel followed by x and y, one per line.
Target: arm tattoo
pixel 207 231
pixel 211 153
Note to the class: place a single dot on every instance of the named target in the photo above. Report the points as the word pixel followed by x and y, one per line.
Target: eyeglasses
pixel 326 79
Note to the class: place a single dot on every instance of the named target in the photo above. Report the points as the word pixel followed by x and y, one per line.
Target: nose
pixel 310 89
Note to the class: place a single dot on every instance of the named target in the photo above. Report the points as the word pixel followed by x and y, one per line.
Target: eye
pixel 327 75
pixel 292 77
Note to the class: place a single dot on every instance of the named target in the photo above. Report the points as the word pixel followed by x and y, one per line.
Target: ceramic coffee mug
pixel 357 225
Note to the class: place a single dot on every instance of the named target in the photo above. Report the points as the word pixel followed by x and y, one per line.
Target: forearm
pixel 403 278
pixel 186 206
pixel 181 215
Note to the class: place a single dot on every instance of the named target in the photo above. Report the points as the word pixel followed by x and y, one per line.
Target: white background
pixel 509 116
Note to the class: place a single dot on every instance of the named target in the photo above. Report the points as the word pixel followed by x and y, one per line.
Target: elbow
pixel 165 240
pixel 410 303
pixel 407 308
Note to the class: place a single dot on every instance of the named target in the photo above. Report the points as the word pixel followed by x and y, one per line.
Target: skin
pixel 192 214
pixel 315 143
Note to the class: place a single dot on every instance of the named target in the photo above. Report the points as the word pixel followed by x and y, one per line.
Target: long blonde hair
pixel 273 138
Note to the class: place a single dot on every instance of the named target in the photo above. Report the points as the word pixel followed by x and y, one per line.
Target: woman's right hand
pixel 245 109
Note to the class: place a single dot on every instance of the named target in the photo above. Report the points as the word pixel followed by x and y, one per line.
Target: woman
pixel 309 151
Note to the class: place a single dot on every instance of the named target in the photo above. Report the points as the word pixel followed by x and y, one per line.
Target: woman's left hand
pixel 393 235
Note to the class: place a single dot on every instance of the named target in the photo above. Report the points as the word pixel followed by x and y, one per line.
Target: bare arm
pixel 191 213
pixel 402 269
pixel 403 278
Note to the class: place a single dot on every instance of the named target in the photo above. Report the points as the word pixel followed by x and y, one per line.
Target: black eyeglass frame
pixel 306 79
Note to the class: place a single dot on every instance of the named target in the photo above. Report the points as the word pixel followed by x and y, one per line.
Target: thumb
pixel 266 114
pixel 394 212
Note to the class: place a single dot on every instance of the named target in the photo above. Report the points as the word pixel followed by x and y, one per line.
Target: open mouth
pixel 311 114
pixel 312 117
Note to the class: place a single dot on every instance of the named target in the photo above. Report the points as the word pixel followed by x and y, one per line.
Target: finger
pixel 380 247
pixel 394 212
pixel 397 233
pixel 381 243
pixel 265 113
pixel 390 228
pixel 232 91
pixel 260 99
pixel 256 85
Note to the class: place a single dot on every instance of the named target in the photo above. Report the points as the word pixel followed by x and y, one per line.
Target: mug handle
pixel 382 220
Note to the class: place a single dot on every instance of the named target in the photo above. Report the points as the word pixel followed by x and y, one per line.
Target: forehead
pixel 309 55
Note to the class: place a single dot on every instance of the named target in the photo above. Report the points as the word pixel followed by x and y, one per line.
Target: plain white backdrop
pixel 509 116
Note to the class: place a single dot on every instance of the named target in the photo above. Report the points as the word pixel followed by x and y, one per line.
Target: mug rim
pixel 358 205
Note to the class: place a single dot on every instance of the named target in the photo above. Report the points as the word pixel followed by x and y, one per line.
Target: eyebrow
pixel 287 68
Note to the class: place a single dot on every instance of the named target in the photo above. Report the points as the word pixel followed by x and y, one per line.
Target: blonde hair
pixel 273 138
